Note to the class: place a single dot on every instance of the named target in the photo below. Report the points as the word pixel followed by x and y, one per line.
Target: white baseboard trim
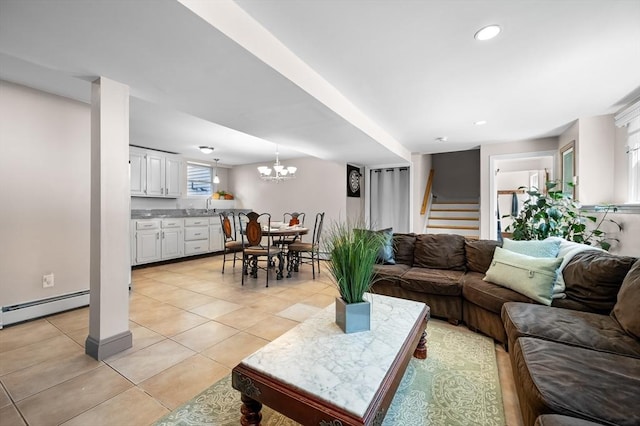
pixel 39 308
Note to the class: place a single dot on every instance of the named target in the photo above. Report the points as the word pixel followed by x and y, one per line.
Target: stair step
pixel 453 227
pixel 441 214
pixel 455 206
pixel 453 222
pixel 468 233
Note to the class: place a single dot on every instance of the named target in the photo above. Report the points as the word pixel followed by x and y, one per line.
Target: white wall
pixel 489 150
pixel 596 142
pixel 45 143
pixel 319 186
pixel 420 167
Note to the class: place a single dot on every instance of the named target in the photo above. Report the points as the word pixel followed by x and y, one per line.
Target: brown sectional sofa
pixel 571 358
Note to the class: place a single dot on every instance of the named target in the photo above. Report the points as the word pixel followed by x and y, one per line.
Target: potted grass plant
pixel 353 251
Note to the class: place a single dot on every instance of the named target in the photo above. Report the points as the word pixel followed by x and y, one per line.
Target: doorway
pixel 511 172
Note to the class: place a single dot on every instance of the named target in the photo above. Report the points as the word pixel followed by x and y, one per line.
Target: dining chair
pixel 254 248
pixel 301 252
pixel 231 243
pixel 292 219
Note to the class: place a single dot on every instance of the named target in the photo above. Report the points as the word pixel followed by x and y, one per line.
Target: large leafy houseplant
pixel 555 214
pixel 353 254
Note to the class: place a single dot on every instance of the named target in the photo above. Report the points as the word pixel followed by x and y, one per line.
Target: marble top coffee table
pixel 316 374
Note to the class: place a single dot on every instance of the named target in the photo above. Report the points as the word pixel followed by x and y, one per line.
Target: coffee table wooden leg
pixel 250 410
pixel 421 349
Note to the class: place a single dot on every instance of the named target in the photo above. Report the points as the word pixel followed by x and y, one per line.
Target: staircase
pixel 462 218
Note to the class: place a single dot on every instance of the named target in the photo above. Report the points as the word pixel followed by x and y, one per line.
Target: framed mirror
pixel 568 166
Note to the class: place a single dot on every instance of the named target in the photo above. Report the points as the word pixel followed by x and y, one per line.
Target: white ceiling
pixel 411 67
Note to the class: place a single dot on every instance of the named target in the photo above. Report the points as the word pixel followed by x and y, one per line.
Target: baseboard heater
pixel 39 308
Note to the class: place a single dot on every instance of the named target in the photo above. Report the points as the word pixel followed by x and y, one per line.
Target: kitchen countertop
pixel 168 213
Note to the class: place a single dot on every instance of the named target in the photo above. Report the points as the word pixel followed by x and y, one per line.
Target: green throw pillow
pixel 535 248
pixel 531 276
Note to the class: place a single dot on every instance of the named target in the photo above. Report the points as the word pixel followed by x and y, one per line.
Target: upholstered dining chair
pixel 254 248
pixel 231 243
pixel 301 252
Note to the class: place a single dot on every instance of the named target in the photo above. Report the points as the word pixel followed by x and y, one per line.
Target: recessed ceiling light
pixel 480 123
pixel 487 33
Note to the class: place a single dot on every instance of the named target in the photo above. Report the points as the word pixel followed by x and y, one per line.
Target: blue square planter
pixel 353 317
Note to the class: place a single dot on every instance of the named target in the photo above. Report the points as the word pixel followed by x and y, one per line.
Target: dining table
pixel 279 232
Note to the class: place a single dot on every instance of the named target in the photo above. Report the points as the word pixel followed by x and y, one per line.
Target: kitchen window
pixel 199 179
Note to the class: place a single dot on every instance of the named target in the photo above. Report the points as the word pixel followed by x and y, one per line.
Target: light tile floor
pixel 190 326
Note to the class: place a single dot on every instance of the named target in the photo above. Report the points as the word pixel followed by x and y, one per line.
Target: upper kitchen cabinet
pixel 154 173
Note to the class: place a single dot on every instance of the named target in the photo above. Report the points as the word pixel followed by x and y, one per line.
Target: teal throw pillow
pixel 531 276
pixel 535 248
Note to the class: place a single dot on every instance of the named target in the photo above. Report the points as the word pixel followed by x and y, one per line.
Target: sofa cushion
pixel 558 420
pixel 439 251
pixel 532 276
pixel 627 309
pixel 395 271
pixel 488 295
pixel 594 278
pixel 555 378
pixel 479 254
pixel 403 248
pixel 535 248
pixel 432 281
pixel 584 329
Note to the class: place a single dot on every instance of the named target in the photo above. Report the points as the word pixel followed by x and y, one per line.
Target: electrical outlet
pixel 47 281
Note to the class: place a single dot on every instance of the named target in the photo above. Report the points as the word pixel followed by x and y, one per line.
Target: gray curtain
pixel 390 199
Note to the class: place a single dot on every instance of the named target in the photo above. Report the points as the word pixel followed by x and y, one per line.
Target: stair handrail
pixel 427 193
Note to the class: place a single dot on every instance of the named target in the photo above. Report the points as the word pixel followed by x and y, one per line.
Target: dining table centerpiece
pixel 353 252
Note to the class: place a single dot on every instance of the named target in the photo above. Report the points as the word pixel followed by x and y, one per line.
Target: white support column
pixel 110 211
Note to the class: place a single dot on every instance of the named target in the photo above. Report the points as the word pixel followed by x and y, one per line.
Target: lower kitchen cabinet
pixel 216 236
pixel 153 240
pixel 172 238
pixel 147 241
pixel 196 235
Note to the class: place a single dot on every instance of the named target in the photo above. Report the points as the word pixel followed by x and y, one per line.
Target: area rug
pixel 457 384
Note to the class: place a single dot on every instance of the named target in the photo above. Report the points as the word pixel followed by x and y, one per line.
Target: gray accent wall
pixel 456 176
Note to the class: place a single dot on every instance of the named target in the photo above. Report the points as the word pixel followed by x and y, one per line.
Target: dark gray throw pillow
pixel 385 255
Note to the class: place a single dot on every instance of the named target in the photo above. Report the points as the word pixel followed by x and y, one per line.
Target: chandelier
pixel 281 172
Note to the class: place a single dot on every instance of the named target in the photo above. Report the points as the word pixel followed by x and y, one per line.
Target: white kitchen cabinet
pixel 138 171
pixel 173 173
pixel 196 235
pixel 172 238
pixel 147 238
pixel 216 236
pixel 154 173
